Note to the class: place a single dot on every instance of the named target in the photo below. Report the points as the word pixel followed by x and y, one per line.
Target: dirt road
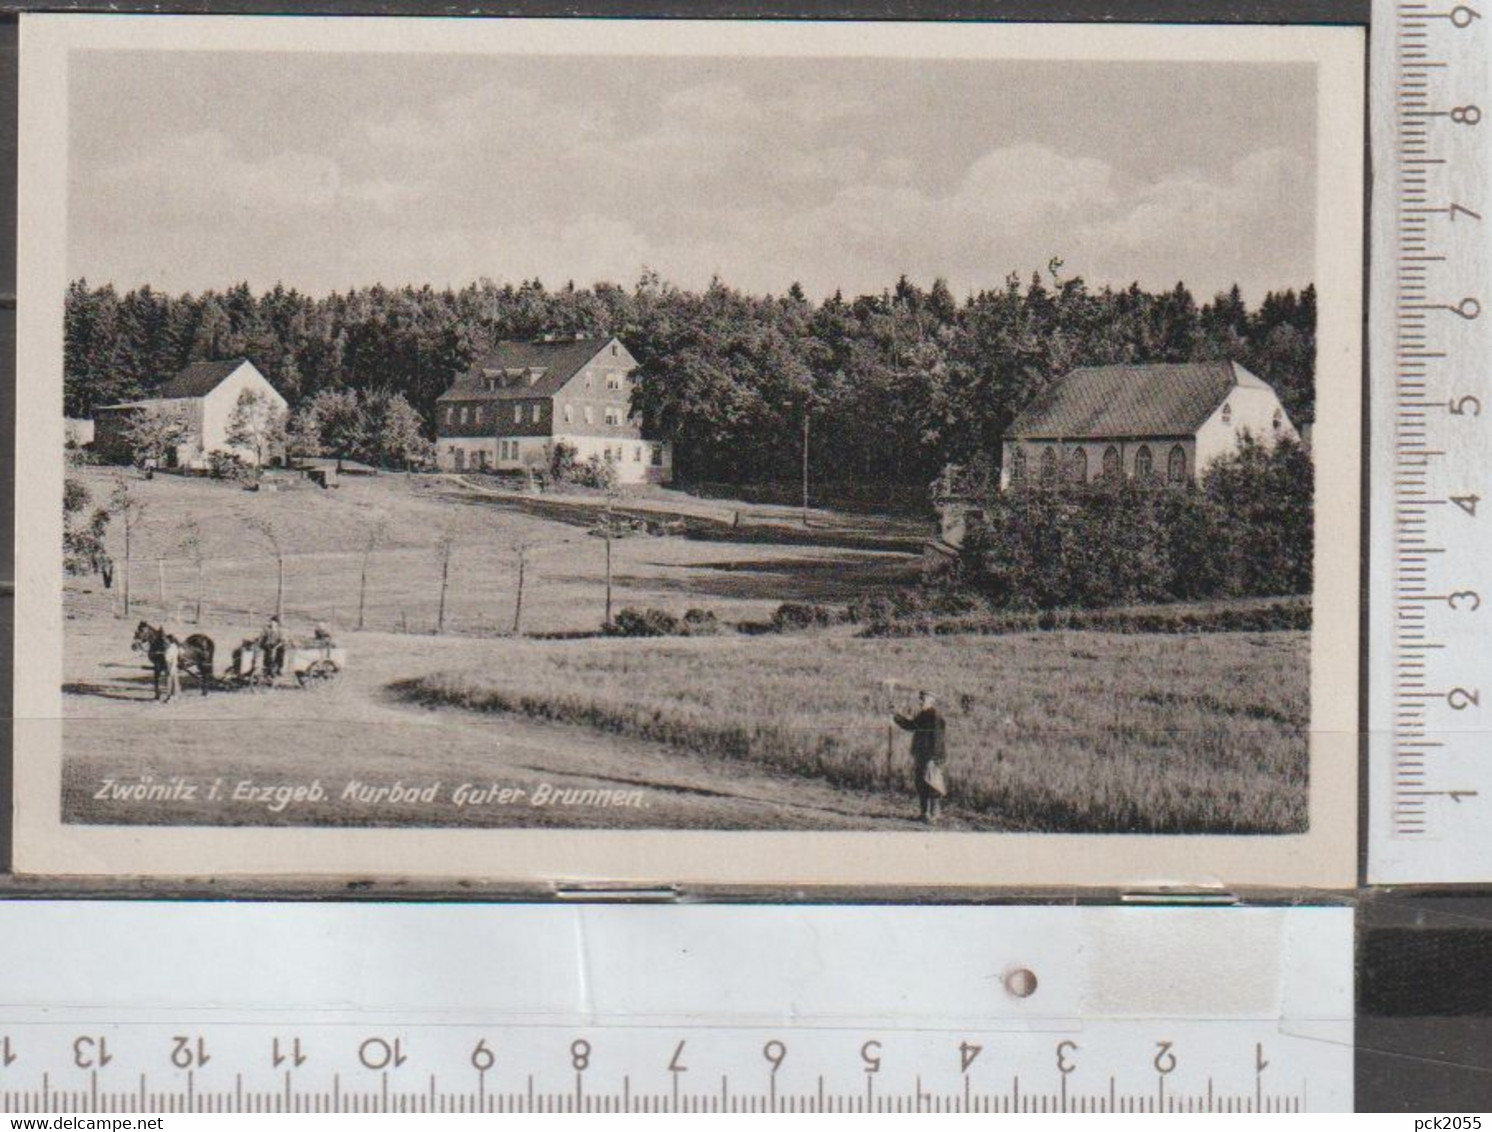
pixel 356 755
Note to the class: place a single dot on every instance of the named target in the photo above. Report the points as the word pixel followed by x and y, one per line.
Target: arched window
pixel 1049 465
pixel 1227 413
pixel 1018 465
pixel 1111 468
pixel 1176 465
pixel 1077 466
pixel 1144 465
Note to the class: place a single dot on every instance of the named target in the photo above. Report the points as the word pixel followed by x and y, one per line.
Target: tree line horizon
pixel 894 386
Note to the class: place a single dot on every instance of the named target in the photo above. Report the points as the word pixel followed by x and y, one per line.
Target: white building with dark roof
pixel 206 394
pixel 515 403
pixel 1163 422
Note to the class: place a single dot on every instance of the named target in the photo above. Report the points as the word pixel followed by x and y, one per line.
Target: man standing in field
pixel 929 749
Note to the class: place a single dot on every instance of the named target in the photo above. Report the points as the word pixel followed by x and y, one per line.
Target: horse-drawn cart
pixel 312 665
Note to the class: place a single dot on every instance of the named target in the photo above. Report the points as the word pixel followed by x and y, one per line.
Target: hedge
pixel 1245 531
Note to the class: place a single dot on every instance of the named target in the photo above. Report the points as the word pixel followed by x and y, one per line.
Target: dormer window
pixel 1227 413
pixel 463 414
pixel 534 373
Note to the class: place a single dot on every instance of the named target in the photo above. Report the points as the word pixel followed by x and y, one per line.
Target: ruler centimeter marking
pixel 1429 360
pixel 374 1082
pixel 539 1008
pixel 443 1100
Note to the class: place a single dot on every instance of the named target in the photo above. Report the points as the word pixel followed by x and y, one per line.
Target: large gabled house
pixel 205 394
pixel 1164 422
pixel 515 403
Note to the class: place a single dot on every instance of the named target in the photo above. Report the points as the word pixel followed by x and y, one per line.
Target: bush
pixel 597 473
pixel 700 623
pixel 914 601
pixel 1245 531
pixel 793 615
pixel 563 462
pixel 631 622
pixel 82 534
pixel 225 465
pixel 1245 616
pixel 643 623
pixel 565 467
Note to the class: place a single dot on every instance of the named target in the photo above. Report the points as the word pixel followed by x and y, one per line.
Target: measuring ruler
pixel 1430 782
pixel 603 1008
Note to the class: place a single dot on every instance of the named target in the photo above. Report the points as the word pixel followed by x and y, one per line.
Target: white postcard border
pixel 1324 857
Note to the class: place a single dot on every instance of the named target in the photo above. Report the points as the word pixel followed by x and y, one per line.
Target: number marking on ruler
pixel 551 1008
pixel 1114 1067
pixel 1431 563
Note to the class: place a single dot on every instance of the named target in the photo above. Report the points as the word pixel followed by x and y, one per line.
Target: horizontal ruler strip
pixel 399 1007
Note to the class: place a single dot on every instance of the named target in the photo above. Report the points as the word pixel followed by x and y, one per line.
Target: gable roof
pixel 1095 402
pixel 549 364
pixel 199 379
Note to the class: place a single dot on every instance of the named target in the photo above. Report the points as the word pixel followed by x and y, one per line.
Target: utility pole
pixel 608 575
pixel 607 530
pixel 518 604
pixel 805 463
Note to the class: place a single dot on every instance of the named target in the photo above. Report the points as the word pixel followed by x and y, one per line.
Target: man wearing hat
pixel 929 749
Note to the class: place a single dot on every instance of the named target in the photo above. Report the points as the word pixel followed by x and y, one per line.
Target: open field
pixel 324 533
pixel 358 734
pixel 1064 730
pixel 1069 731
pixel 735 518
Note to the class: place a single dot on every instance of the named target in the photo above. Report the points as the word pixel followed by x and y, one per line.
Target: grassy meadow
pixel 323 534
pixel 1072 730
pixel 1066 731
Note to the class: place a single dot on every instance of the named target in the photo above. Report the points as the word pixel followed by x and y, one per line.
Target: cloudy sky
pixel 325 172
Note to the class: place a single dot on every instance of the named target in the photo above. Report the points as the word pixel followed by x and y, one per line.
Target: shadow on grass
pixel 838 579
pixel 139 690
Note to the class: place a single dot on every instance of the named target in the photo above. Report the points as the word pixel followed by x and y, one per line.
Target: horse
pixel 170 657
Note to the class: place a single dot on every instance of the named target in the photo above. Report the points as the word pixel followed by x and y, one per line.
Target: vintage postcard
pixel 703 453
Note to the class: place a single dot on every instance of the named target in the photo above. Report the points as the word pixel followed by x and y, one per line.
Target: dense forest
pixel 895 384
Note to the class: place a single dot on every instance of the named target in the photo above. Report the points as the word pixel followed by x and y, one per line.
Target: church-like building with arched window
pixel 1156 423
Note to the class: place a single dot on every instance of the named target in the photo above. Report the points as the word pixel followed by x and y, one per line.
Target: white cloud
pixel 762 186
pixel 1262 187
pixel 204 171
pixel 387 195
pixel 204 174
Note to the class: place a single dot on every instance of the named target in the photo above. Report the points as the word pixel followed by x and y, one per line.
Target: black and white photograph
pixel 523 449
